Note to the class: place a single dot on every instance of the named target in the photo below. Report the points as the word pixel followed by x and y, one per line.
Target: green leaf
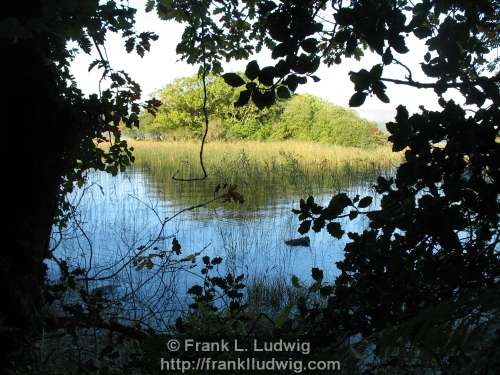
pixel 318 224
pixel 376 71
pixel 282 49
pixel 292 81
pixel 233 79
pixel 306 64
pixel 295 282
pixel 263 99
pixel 310 201
pixel 335 230
pixel 382 96
pixel 283 92
pixel 336 206
pixel 304 226
pixel 398 43
pixel 243 98
pixel 252 70
pixel 326 291
pixel 196 290
pixel 387 57
pixel 217 260
pixel 93 64
pixel 422 32
pixel 365 202
pixel 150 5
pixel 176 246
pixel 317 274
pixel 310 45
pixel 282 68
pixel 266 76
pixel 129 44
pixel 357 99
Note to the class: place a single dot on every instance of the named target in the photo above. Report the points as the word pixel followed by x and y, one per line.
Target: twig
pixel 205 113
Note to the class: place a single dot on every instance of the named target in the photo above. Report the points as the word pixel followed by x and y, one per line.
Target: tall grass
pixel 310 152
pixel 262 170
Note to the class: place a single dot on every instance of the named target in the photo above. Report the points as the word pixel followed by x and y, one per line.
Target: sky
pixel 161 66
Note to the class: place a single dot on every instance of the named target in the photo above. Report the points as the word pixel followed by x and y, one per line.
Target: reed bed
pixel 216 153
pixel 261 170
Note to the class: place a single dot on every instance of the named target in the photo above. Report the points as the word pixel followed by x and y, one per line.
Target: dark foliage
pixel 433 241
pixel 435 236
pixel 54 135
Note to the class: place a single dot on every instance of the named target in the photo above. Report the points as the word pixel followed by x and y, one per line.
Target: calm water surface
pixel 117 215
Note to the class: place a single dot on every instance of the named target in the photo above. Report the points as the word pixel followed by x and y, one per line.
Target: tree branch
pixel 420 85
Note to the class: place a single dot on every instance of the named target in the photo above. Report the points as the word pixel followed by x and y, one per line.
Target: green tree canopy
pixel 181 113
pixel 309 118
pixel 302 117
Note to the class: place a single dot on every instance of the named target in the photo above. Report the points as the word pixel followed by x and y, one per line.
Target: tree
pixel 53 136
pixel 310 118
pixel 435 237
pixel 181 111
pixel 303 117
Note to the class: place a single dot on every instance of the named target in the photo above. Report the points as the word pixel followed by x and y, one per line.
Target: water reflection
pixel 115 216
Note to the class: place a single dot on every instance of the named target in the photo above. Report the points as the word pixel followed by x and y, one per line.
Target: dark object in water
pixel 105 290
pixel 302 241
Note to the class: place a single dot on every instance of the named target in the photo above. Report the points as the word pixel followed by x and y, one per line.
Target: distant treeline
pixel 303 117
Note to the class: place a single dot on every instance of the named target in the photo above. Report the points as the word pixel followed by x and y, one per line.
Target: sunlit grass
pixel 262 170
pixel 311 154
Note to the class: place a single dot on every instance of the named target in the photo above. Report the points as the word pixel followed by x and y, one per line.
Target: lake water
pixel 116 216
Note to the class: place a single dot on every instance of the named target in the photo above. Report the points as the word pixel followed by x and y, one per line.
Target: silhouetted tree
pixel 53 135
pixel 435 237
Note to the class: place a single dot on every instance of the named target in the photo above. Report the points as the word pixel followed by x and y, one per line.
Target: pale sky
pixel 161 66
